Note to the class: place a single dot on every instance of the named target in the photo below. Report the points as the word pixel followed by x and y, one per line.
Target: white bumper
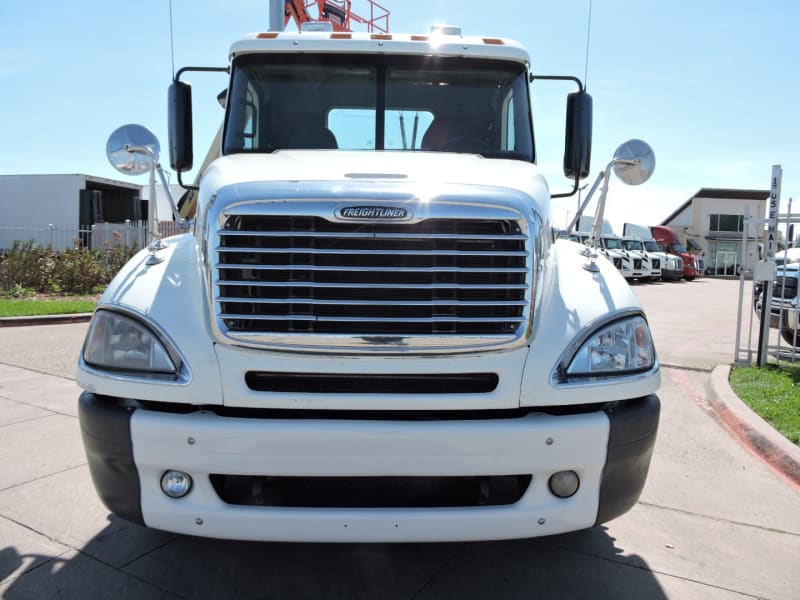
pixel 536 444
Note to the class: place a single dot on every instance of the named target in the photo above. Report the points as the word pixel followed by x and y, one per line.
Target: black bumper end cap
pixel 106 433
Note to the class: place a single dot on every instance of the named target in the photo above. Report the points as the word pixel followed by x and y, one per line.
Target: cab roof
pixel 380 43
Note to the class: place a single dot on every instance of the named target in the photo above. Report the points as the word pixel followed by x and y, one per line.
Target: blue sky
pixel 712 85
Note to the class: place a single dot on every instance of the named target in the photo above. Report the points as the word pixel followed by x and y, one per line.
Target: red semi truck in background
pixel 667 240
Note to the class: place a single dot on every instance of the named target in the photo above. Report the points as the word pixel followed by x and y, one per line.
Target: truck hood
pixel 415 168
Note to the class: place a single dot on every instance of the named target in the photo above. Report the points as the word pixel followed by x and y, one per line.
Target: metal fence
pixel 748 333
pixel 100 236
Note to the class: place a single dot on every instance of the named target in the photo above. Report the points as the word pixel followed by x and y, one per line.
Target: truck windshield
pixel 375 102
pixel 678 248
pixel 651 246
pixel 632 244
pixel 612 244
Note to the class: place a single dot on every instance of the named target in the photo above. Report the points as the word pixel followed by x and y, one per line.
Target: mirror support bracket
pixel 177 78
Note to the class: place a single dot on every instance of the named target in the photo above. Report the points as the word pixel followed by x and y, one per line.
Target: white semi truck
pixel 370 333
pixel 670 265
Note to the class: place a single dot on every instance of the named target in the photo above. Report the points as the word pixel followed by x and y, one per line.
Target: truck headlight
pixel 624 346
pixel 120 343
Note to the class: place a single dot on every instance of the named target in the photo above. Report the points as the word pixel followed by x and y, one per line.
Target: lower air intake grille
pixel 305 274
pixel 785 287
pixel 331 383
pixel 370 492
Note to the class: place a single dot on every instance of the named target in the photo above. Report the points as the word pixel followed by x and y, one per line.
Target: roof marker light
pixel 267 35
pixel 380 36
pixel 341 36
pixel 493 41
pixel 445 30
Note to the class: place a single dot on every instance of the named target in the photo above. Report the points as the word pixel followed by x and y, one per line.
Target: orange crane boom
pixel 338 13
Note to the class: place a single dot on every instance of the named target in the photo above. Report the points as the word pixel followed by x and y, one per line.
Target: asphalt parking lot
pixel 714 520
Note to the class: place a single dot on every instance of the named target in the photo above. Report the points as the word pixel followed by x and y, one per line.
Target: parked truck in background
pixel 613 247
pixel 671 265
pixel 668 241
pixel 622 262
pixel 370 333
pixel 784 308
pixel 651 267
pixel 612 250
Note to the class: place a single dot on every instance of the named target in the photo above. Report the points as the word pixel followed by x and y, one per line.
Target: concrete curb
pixel 753 431
pixel 45 320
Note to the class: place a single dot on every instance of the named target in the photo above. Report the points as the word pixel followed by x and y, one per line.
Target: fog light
pixel 564 483
pixel 176 484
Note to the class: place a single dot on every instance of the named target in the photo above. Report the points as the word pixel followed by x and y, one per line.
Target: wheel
pixel 689 278
pixel 789 335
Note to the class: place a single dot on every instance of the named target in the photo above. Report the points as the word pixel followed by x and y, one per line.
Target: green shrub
pixel 27 268
pixel 79 270
pixel 27 265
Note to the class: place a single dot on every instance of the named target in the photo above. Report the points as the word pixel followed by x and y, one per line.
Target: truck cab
pixel 613 248
pixel 649 269
pixel 370 333
pixel 667 240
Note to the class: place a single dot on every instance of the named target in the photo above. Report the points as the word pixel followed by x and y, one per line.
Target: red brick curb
pixel 753 431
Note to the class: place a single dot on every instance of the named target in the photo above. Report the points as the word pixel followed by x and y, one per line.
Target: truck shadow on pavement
pixel 585 564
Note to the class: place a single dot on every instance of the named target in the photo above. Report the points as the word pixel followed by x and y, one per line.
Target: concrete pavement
pixel 713 521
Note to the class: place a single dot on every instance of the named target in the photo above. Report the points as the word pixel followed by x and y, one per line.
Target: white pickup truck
pixel 370 333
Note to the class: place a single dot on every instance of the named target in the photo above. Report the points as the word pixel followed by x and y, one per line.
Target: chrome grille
pixel 785 287
pixel 299 274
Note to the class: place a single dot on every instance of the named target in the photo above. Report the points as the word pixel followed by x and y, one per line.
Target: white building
pixel 57 210
pixel 712 221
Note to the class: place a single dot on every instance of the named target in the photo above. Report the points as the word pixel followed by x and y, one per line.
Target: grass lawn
pixel 55 305
pixel 773 393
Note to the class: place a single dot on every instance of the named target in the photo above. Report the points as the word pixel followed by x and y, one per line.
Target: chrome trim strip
pixel 319 319
pixel 387 286
pixel 366 236
pixel 374 302
pixel 375 344
pixel 371 269
pixel 233 249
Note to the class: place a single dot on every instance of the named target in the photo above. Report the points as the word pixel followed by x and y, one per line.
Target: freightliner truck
pixel 370 333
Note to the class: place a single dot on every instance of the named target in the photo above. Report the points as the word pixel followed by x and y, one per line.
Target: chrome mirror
pixel 123 159
pixel 634 162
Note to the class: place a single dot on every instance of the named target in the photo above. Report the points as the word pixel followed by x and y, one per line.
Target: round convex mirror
pixel 125 161
pixel 639 172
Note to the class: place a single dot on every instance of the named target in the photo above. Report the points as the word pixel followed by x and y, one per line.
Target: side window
pixel 250 129
pixel 508 139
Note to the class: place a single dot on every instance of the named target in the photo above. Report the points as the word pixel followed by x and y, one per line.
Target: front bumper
pixel 129 448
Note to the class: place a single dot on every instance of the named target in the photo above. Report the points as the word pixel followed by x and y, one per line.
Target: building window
pixel 728 223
